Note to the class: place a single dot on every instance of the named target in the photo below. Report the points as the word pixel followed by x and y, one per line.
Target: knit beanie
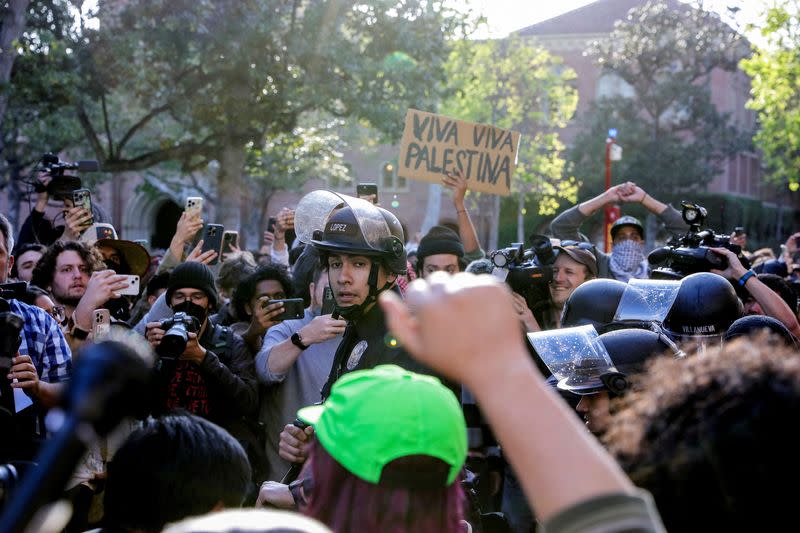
pixel 193 275
pixel 439 240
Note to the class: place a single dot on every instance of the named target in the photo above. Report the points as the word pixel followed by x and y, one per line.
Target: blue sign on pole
pixel 612 133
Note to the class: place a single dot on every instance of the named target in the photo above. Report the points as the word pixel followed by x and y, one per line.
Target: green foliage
pixel 775 73
pixel 515 85
pixel 658 62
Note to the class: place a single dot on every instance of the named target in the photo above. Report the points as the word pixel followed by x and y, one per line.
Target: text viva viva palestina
pixel 434 144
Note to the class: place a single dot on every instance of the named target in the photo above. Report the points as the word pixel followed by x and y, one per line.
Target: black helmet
pixel 627 220
pixel 379 235
pixel 706 305
pixel 753 324
pixel 593 303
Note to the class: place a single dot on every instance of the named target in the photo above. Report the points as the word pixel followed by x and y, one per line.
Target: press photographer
pixel 204 368
pixel 693 252
pixel 54 183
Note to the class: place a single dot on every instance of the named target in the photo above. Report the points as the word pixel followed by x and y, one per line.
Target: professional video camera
pixel 691 253
pixel 62 185
pixel 527 272
pixel 177 329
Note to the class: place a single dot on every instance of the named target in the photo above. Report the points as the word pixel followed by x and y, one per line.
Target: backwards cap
pixel 373 417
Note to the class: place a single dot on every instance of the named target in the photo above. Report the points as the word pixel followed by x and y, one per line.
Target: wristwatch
pixel 79 333
pixel 297 341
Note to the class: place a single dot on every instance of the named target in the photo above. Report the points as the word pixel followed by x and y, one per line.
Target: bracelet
pixel 747 275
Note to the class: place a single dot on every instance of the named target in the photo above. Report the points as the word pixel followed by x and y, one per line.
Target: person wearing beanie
pixel 440 249
pixel 213 376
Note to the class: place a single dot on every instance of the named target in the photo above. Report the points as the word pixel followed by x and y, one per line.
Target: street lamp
pixel 612 212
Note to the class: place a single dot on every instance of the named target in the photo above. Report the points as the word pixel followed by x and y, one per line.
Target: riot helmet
pixel 337 223
pixel 754 324
pixel 593 303
pixel 706 306
pixel 627 220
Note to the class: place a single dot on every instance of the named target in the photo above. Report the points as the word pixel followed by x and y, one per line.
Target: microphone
pixel 107 384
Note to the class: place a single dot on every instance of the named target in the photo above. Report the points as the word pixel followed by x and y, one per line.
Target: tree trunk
pixel 11 28
pixel 494 222
pixel 230 192
pixel 521 216
pixel 432 210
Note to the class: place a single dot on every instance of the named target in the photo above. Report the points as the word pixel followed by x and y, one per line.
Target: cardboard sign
pixel 434 144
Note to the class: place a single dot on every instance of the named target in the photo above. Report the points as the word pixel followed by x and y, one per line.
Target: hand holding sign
pixel 433 145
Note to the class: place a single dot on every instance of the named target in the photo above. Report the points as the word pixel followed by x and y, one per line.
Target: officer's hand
pixel 276 494
pixel 440 305
pixel 295 443
pixel 320 329
pixel 193 352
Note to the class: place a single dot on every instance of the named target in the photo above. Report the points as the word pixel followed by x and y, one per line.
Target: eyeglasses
pixel 58 313
pixel 577 244
pixel 196 297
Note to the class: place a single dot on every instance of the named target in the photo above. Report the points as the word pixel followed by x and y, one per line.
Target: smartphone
pixel 212 240
pixel 328 301
pixel 366 189
pixel 229 239
pixel 83 198
pixel 293 308
pixel 101 325
pixel 132 288
pixel 194 205
pixel 271 224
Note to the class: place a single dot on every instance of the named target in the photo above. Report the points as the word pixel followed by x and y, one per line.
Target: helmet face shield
pixel 313 210
pixel 575 356
pixel 317 212
pixel 647 300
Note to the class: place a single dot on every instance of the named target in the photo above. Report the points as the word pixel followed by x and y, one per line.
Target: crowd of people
pixel 413 392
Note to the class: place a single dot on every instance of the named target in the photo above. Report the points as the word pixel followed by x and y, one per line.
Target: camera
pixel 177 329
pixel 527 271
pixel 691 253
pixel 62 185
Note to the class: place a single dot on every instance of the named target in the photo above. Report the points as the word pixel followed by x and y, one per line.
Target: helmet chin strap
pixel 354 312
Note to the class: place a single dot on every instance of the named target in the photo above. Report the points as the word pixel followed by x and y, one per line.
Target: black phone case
pixel 328 302
pixel 212 240
pixel 292 308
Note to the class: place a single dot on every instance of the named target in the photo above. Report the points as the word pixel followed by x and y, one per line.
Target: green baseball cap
pixel 375 416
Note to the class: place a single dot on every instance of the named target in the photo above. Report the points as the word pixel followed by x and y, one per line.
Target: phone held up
pixel 230 240
pixel 83 198
pixel 293 308
pixel 368 191
pixel 194 205
pixel 212 240
pixel 101 324
pixel 328 301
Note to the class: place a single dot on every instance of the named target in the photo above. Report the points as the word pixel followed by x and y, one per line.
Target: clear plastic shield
pixel 647 300
pixel 316 207
pixel 575 356
pixel 313 210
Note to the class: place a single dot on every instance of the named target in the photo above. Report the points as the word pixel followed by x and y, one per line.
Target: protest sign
pixel 434 144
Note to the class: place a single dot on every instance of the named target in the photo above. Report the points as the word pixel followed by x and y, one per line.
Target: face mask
pixel 627 254
pixel 191 309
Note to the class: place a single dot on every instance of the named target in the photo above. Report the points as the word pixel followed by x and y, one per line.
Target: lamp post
pixel 612 212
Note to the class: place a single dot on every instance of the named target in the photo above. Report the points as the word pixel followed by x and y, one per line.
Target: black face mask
pixel 191 309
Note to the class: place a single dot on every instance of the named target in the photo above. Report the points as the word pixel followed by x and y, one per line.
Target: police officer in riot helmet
pixel 593 303
pixel 629 351
pixel 705 307
pixel 361 245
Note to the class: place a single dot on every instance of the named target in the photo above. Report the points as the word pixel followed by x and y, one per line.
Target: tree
pixel 775 73
pixel 207 79
pixel 515 85
pixel 657 64
pixel 37 117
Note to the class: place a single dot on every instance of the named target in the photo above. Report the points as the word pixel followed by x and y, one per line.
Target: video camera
pixel 527 271
pixel 62 185
pixel 177 328
pixel 691 253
